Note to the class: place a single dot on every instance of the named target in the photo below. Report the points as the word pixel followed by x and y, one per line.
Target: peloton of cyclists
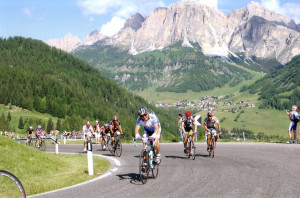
pixel 115 126
pixel 87 132
pixel 97 130
pixel 152 127
pixel 209 124
pixel 187 124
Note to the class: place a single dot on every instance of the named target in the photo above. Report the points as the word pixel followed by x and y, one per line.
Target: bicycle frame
pixel 212 133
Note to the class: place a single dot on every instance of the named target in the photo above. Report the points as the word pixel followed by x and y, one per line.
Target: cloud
pixel 121 10
pixel 113 26
pixel 291 10
pixel 28 11
pixel 210 3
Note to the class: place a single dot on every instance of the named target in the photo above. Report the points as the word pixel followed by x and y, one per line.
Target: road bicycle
pixel 191 145
pixel 146 162
pixel 107 142
pixel 117 147
pixel 29 141
pixel 42 144
pixel 212 145
pixel 10 185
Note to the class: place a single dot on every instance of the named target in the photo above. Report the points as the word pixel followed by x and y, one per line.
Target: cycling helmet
pixel 87 123
pixel 188 113
pixel 106 125
pixel 39 126
pixel 142 111
pixel 210 113
pixel 30 127
pixel 115 118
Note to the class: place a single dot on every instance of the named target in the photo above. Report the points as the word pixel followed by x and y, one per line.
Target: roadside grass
pixel 41 172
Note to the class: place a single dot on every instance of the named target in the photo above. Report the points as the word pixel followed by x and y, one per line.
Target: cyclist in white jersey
pixel 151 125
pixel 87 132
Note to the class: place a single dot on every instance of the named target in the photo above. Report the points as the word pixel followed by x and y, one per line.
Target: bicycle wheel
pixel 192 149
pixel 10 185
pixel 118 149
pixel 143 169
pixel 43 145
pixel 189 148
pixel 109 143
pixel 212 147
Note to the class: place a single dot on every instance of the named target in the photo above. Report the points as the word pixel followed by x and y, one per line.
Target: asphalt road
pixel 238 170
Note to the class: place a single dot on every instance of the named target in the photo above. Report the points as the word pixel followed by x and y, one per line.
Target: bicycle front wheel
pixel 144 167
pixel 43 145
pixel 192 149
pixel 212 142
pixel 118 149
pixel 10 186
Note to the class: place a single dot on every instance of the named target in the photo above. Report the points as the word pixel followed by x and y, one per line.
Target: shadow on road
pixel 175 157
pixel 133 177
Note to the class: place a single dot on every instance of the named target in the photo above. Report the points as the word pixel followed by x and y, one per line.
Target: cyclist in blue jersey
pixel 152 127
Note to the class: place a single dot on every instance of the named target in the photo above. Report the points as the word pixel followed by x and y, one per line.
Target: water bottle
pixel 151 159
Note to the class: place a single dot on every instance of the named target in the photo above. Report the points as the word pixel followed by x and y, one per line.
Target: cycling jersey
pixel 115 127
pixel 293 125
pixel 87 129
pixel 149 124
pixel 188 123
pixel 39 131
pixel 210 124
pixel 105 130
pixel 97 128
pixel 30 131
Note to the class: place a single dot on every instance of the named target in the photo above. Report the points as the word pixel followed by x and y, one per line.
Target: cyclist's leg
pixel 184 140
pixel 112 140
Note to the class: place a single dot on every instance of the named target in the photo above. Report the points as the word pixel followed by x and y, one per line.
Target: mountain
pixel 40 78
pixel 250 35
pixel 280 89
pixel 67 43
pixel 173 69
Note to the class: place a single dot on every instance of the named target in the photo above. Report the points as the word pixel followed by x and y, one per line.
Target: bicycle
pixel 29 141
pixel 212 145
pixel 117 147
pixel 10 185
pixel 191 146
pixel 107 143
pixel 146 162
pixel 42 143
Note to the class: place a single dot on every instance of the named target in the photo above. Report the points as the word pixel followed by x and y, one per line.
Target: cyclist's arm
pixel 120 129
pixel 195 126
pixel 110 128
pixel 205 127
pixel 136 130
pixel 219 126
pixel 156 128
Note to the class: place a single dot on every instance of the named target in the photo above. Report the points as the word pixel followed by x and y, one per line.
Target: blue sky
pixel 53 19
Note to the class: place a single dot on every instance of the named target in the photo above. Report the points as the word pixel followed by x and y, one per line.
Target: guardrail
pixel 34 138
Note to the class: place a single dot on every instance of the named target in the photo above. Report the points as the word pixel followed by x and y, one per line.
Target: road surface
pixel 238 170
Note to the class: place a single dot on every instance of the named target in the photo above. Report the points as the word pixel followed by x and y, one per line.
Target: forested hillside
pixel 280 89
pixel 172 69
pixel 37 77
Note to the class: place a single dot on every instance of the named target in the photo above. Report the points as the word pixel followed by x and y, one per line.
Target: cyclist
pixel 209 123
pixel 187 126
pixel 87 132
pixel 104 132
pixel 97 130
pixel 152 127
pixel 38 133
pixel 29 134
pixel 115 126
pixel 293 124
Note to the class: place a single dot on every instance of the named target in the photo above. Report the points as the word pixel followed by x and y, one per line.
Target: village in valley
pixel 209 103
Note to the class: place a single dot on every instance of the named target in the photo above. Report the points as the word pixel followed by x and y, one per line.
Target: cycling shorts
pixel 97 134
pixel 210 129
pixel 292 126
pixel 150 133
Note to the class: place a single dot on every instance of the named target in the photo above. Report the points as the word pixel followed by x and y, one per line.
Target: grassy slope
pixel 40 172
pixel 269 121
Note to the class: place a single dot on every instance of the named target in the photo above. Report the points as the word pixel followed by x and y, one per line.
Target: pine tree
pixel 50 125
pixel 58 125
pixel 21 123
pixel 9 117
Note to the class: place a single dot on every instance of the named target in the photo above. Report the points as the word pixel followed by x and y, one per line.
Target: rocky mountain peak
pixel 134 22
pixel 67 43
